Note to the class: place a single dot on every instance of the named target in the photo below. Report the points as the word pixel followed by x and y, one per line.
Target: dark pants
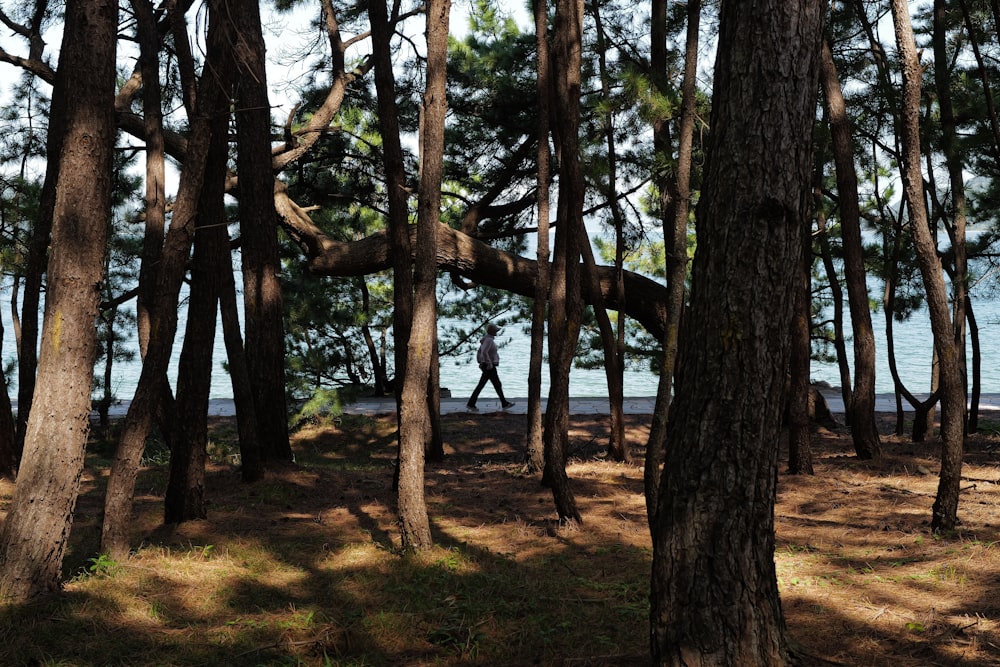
pixel 492 376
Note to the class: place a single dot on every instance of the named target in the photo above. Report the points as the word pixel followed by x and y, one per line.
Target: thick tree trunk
pixel 34 535
pixel 714 588
pixel 185 495
pixel 861 409
pixel 263 313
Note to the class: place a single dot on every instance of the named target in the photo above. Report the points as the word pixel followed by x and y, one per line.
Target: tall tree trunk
pixel 956 179
pixel 614 350
pixel 34 535
pixel 861 409
pixel 185 495
pixel 414 414
pixel 714 588
pixel 945 511
pixel 251 465
pixel 535 447
pixel 977 363
pixel 263 313
pixel 800 354
pixel 566 301
pixel 156 200
pixel 674 215
pixel 392 153
pixel 37 260
pixel 147 402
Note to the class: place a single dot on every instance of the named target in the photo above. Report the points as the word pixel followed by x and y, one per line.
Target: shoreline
pixel 585 405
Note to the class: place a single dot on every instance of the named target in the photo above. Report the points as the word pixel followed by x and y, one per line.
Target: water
pixel 459 375
pixel 914 347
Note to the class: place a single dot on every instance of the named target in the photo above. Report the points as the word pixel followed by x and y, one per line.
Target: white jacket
pixel 488 353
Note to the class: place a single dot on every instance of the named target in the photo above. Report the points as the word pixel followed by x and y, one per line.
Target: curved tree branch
pixel 464 255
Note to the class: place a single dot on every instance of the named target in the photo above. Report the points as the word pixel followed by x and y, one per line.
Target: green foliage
pixel 323 406
pixel 102 565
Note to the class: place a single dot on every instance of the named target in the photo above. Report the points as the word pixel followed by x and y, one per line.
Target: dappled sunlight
pixel 305 566
pixel 861 575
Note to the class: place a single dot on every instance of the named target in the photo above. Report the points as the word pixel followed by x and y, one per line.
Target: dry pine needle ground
pixel 303 569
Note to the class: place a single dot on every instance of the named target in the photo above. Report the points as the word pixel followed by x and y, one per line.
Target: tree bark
pixel 566 302
pixel 958 273
pixel 861 408
pixel 614 346
pixel 34 535
pixel 149 393
pixel 468 257
pixel 156 200
pixel 400 248
pixel 945 510
pixel 674 211
pixel 185 495
pixel 714 588
pixel 534 442
pixel 251 464
pixel 422 344
pixel 263 314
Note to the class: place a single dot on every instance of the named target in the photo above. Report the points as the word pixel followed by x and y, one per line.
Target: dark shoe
pixel 471 408
pixel 508 404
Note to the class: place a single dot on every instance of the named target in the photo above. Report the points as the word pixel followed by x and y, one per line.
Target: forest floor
pixel 304 568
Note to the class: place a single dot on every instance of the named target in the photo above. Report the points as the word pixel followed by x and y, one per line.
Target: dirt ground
pixel 863 580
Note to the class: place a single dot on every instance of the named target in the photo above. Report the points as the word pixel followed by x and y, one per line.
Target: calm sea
pixel 913 352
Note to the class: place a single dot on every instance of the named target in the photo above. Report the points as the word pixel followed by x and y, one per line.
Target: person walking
pixel 489 358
